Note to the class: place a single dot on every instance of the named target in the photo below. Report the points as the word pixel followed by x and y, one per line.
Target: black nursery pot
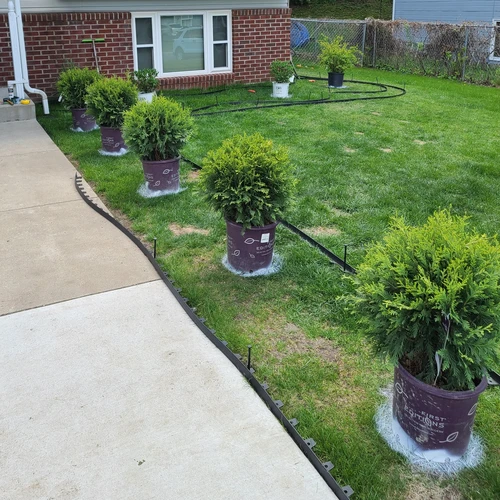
pixel 82 120
pixel 252 250
pixel 435 418
pixel 335 79
pixel 162 175
pixel 112 140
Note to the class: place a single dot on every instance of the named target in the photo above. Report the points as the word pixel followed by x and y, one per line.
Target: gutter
pixel 21 78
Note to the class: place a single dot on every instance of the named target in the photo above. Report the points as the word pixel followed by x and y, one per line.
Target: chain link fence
pixel 467 52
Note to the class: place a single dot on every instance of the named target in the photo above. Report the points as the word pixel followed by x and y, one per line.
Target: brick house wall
pixel 55 40
pixel 6 69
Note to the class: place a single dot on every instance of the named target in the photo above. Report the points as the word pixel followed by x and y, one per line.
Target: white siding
pixel 40 6
pixel 448 11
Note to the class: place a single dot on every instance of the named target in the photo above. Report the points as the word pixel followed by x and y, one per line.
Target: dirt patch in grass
pixel 193 175
pixel 359 133
pixel 295 341
pixel 181 230
pixel 323 231
pixel 419 142
pixel 386 150
pixel 376 113
pixel 349 150
pixel 424 490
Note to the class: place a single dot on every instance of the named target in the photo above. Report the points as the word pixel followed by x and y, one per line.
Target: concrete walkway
pixel 108 390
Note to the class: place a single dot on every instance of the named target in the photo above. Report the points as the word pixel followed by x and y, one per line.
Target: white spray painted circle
pixel 78 129
pixel 145 192
pixel 122 152
pixel 434 461
pixel 273 268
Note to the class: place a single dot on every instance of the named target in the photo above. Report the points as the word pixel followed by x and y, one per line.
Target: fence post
pixel 466 43
pixel 316 45
pixel 363 45
pixel 374 43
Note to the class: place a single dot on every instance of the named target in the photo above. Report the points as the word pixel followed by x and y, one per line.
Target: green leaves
pixel 157 130
pixel 73 84
pixel 145 80
pixel 109 98
pixel 248 179
pixel 416 277
pixel 336 55
pixel 281 71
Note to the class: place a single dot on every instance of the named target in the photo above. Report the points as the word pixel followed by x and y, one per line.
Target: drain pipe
pixel 18 81
pixel 22 54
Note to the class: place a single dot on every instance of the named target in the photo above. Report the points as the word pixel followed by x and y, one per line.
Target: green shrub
pixel 248 180
pixel 495 79
pixel 72 86
pixel 157 130
pixel 281 71
pixel 336 55
pixel 430 295
pixel 109 98
pixel 145 80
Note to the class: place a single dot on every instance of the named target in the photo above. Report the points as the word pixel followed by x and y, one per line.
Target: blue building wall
pixel 447 11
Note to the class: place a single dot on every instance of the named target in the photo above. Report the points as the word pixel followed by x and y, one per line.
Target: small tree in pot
pixel 250 181
pixel 429 299
pixel 146 82
pixel 337 56
pixel 157 131
pixel 107 100
pixel 72 86
pixel 281 72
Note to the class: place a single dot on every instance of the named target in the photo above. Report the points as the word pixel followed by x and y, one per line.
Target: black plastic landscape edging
pixel 305 445
pixel 273 104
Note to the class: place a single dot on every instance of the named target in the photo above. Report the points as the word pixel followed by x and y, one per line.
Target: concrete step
pixel 17 112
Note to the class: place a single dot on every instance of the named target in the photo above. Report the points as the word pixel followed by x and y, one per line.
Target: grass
pixel 358 163
pixel 344 9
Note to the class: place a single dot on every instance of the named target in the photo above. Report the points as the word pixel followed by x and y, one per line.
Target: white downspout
pixel 24 64
pixel 16 57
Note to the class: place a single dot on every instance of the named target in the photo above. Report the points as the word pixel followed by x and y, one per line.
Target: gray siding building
pixel 447 11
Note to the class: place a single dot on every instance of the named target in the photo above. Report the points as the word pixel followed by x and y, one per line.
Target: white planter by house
pixel 280 89
pixel 148 97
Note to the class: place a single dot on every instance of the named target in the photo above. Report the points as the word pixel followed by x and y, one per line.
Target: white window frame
pixel 208 42
pixel 139 46
pixel 496 25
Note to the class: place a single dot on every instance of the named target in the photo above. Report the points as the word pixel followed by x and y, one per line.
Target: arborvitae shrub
pixel 419 281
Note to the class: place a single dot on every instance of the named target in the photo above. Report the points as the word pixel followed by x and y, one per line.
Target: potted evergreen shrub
pixel 156 131
pixel 429 299
pixel 72 86
pixel 281 72
pixel 250 181
pixel 146 82
pixel 337 56
pixel 107 101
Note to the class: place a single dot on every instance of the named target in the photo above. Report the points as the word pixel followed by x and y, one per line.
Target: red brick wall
pixel 259 37
pixel 6 69
pixel 54 40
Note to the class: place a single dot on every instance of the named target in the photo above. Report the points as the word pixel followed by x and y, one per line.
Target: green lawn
pixel 358 163
pixel 344 9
